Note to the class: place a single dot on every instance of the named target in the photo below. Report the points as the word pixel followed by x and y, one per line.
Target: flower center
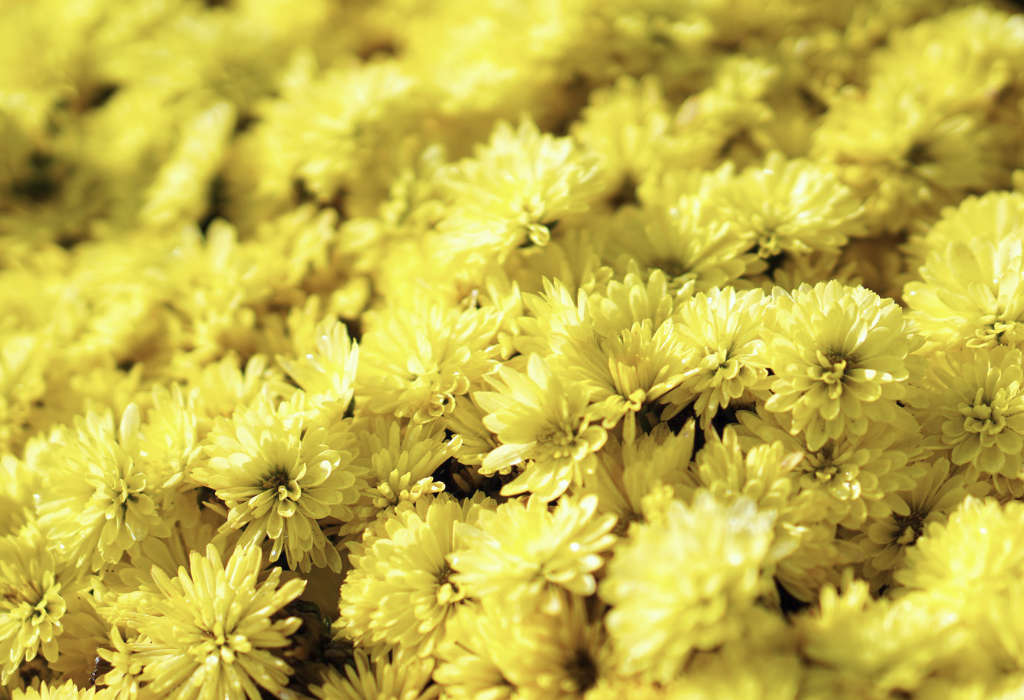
pixel 831 369
pixel 280 480
pixel 908 527
pixel 582 670
pixel 984 416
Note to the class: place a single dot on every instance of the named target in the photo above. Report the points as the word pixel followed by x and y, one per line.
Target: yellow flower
pixel 393 676
pixel 415 362
pixel 324 365
pixel 32 602
pixel 684 582
pixel 784 206
pixel 634 477
pixel 972 402
pixel 399 460
pixel 839 354
pixel 625 372
pixel 852 476
pixel 861 647
pixel 725 331
pixel 524 550
pixel 279 474
pixel 516 188
pixel 399 591
pixel 542 424
pixel 884 541
pixel 101 499
pixel 682 239
pixel 210 630
pixel 972 292
pixel 47 691
pixel 472 651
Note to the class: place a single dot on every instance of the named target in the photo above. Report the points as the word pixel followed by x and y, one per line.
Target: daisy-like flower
pixel 683 583
pixel 100 500
pixel 471 653
pixel 415 362
pixel 124 679
pixel 516 189
pixel 625 373
pixel 906 157
pixel 542 424
pixel 558 656
pixel 633 477
pixel 836 353
pixel 398 460
pixel 724 330
pixel 762 474
pixel 681 239
pixel 496 651
pixel 784 206
pixel 395 676
pixel 279 473
pixel 859 646
pixel 971 291
pixel 32 604
pixel 848 478
pixel 210 631
pixel 524 550
pixel 972 403
pixel 325 364
pixel 51 691
pixel 966 554
pixel 883 542
pixel 398 592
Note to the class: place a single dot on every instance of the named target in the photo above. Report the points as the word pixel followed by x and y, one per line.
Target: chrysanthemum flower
pixel 883 542
pixel 398 592
pixel 762 474
pixel 906 156
pixel 724 330
pixel 471 653
pixel 416 362
pixel 324 365
pixel 784 206
pixel 625 373
pixel 850 477
pixel 633 477
pixel 524 550
pixel 762 663
pixel 972 402
pixel 861 647
pixel 51 691
pixel 967 554
pixel 210 630
pixel 837 354
pixel 100 499
pixel 124 679
pixel 516 188
pixel 682 240
pixel 393 676
pixel 684 582
pixel 627 124
pixel 993 217
pixel 558 656
pixel 972 292
pixel 279 474
pixel 225 385
pixel 32 602
pixel 542 424
pixel 399 460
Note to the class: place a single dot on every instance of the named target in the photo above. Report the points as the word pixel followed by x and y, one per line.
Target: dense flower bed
pixel 539 349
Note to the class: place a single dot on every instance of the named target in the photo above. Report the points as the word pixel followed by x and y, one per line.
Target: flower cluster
pixel 552 349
